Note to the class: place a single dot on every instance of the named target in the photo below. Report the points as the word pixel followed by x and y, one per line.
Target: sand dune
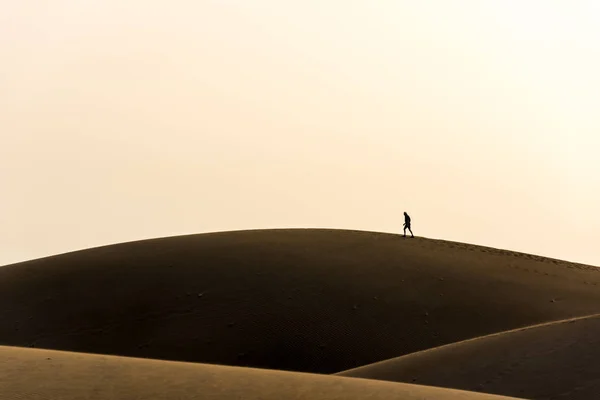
pixel 29 374
pixel 305 300
pixel 552 361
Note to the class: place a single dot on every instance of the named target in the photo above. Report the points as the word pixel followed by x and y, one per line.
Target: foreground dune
pixel 29 374
pixel 551 361
pixel 305 300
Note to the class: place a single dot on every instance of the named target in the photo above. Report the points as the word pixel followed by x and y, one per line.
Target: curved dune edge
pixel 309 300
pixel 33 373
pixel 556 360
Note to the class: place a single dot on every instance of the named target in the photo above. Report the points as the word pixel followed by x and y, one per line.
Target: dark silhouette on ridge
pixel 407 225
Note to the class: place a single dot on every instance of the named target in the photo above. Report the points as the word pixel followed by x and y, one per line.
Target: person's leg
pixel 404 230
pixel 411 234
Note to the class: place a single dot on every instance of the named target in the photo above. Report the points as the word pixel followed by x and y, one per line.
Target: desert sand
pixel 306 300
pixel 33 374
pixel 558 360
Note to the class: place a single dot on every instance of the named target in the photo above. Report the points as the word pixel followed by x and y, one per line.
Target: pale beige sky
pixel 125 120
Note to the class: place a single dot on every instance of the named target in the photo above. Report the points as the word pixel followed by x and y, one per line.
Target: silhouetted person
pixel 407 224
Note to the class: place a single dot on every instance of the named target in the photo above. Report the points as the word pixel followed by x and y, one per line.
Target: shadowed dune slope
pixel 305 300
pixel 29 374
pixel 551 361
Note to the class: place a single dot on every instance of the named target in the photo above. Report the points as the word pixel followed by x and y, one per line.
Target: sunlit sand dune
pixel 29 374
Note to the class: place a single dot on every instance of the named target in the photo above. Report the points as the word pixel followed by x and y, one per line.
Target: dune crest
pixel 556 360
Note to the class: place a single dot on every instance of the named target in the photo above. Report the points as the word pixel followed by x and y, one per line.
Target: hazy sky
pixel 125 120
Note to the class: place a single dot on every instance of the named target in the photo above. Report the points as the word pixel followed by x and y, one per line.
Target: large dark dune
pixel 305 300
pixel 553 361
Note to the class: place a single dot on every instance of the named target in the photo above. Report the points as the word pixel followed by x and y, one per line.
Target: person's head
pixel 405 213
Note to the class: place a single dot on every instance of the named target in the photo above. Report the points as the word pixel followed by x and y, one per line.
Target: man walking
pixel 407 225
